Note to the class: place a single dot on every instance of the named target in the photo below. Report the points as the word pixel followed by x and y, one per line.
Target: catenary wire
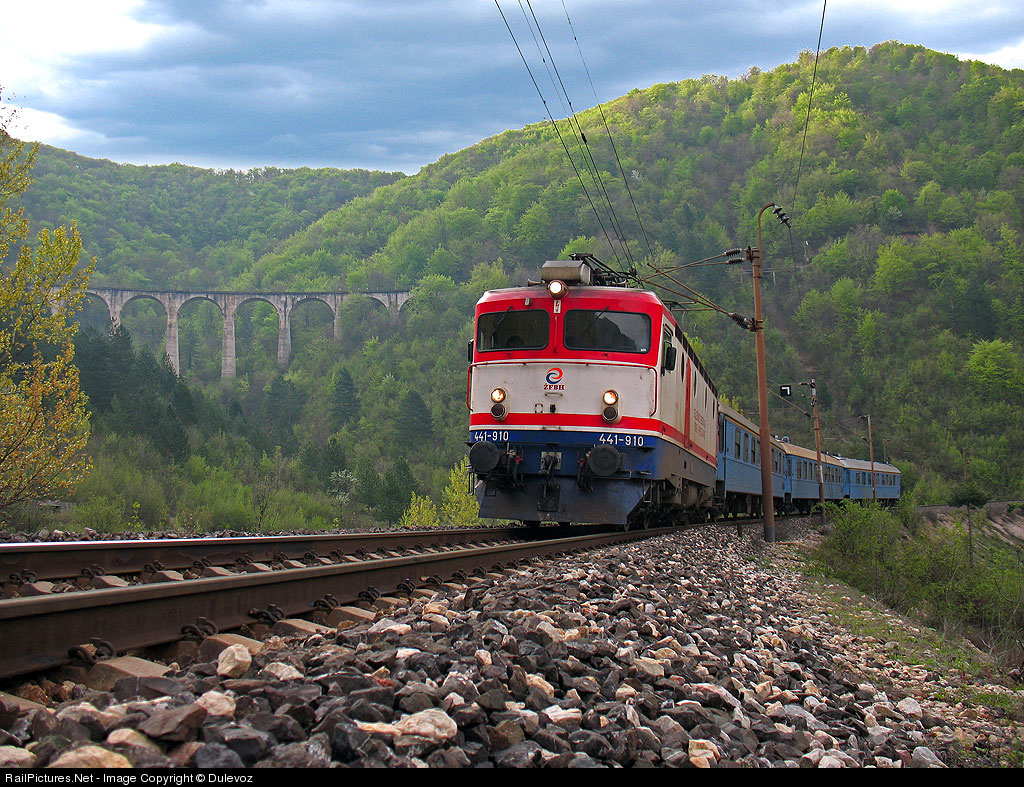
pixel 611 139
pixel 810 99
pixel 584 146
pixel 558 132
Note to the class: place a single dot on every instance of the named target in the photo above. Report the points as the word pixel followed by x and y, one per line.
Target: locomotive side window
pixel 601 329
pixel 512 329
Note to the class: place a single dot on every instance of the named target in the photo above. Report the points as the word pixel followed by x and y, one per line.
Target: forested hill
pixel 177 226
pixel 901 287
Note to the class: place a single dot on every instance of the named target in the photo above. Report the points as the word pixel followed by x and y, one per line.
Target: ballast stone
pixel 177 724
pixel 278 670
pixel 923 757
pixel 910 707
pixel 16 757
pixel 217 703
pixel 91 757
pixel 234 661
pixel 133 738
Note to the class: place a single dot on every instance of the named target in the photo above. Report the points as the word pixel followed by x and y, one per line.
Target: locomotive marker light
pixel 498 410
pixel 610 413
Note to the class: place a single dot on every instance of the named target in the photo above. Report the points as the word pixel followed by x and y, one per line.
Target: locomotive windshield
pixel 601 329
pixel 512 329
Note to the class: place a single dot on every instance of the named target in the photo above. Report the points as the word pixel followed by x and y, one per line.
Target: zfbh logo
pixel 553 376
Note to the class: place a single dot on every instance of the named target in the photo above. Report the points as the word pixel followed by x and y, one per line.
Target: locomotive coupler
pixel 550 492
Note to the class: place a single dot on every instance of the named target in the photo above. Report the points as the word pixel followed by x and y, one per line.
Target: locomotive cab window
pixel 607 331
pixel 512 329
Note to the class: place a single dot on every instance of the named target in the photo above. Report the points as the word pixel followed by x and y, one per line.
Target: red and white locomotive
pixel 588 404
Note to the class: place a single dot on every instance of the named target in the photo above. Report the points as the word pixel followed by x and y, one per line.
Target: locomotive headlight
pixel 498 395
pixel 610 411
pixel 557 288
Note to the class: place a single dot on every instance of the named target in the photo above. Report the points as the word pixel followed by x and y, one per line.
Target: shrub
pixel 929 572
pixel 102 514
pixel 459 507
pixel 421 513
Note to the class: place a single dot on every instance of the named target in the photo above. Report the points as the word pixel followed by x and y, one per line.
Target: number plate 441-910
pixel 490 435
pixel 623 440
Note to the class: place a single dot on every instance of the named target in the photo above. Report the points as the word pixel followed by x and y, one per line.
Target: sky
pixel 396 84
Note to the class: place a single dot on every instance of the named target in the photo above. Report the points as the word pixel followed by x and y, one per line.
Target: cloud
pixel 28 123
pixel 1009 57
pixel 398 83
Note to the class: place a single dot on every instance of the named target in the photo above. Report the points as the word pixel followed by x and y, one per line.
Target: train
pixel 588 405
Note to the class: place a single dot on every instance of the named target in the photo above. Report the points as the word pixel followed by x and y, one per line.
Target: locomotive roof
pixel 627 295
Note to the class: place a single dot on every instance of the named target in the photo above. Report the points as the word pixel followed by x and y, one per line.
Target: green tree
pixel 993 368
pixel 44 424
pixel 397 486
pixel 412 422
pixel 459 507
pixel 344 398
pixel 421 514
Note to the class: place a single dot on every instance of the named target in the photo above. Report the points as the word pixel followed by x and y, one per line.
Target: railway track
pixel 37 632
pixel 69 560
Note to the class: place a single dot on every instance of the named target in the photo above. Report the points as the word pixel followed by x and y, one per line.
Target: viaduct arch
pixel 116 299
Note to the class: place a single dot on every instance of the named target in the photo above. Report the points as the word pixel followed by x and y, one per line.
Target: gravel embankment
pixel 677 651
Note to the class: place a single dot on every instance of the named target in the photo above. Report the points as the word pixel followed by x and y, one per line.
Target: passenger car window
pixel 512 329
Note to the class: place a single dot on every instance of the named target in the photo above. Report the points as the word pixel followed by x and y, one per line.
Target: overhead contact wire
pixel 558 132
pixel 608 132
pixel 581 141
pixel 540 54
pixel 810 98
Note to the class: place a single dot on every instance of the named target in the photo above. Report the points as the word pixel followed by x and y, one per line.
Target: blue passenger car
pixel 738 479
pixel 858 483
pixel 803 476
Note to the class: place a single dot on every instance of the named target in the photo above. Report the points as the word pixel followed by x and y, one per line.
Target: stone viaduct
pixel 228 303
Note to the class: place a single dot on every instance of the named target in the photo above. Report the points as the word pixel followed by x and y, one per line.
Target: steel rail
pixel 67 559
pixel 36 632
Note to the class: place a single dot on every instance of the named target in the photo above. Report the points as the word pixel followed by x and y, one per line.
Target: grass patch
pixel 908 641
